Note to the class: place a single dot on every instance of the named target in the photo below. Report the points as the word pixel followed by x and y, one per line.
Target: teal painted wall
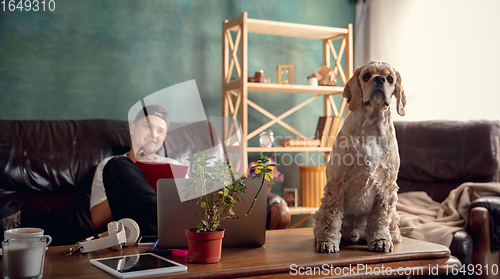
pixel 96 58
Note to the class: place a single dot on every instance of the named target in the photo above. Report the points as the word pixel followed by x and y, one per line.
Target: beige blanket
pixel 436 222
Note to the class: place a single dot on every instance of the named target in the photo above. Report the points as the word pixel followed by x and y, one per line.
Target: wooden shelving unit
pixel 235 101
pixel 235 93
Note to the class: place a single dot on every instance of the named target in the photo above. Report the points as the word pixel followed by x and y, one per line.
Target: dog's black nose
pixel 379 80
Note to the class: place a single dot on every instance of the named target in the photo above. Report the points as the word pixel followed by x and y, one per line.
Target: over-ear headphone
pixel 124 232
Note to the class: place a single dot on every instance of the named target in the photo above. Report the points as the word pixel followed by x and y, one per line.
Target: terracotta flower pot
pixel 204 247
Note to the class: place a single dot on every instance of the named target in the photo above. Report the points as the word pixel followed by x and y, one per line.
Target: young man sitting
pixel 119 189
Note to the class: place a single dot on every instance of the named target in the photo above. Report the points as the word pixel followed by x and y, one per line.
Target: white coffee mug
pixel 25 233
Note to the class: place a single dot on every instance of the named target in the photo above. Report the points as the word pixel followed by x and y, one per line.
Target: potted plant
pixel 215 190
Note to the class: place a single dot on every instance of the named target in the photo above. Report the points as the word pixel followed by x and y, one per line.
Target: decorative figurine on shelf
pixel 266 139
pixel 325 76
pixel 284 74
pixel 259 77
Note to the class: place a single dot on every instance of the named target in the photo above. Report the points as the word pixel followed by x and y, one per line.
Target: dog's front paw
pixel 327 247
pixel 381 245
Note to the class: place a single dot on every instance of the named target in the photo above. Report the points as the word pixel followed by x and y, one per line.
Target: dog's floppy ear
pixel 352 91
pixel 400 95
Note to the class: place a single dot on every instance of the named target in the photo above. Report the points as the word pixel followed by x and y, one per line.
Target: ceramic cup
pixel 313 81
pixel 31 233
pixel 23 257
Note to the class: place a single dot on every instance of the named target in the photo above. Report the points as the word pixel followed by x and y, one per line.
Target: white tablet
pixel 137 265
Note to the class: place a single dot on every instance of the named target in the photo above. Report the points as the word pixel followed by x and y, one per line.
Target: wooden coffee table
pixel 286 252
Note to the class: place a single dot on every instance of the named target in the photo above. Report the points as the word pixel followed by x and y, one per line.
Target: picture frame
pixel 290 195
pixel 279 76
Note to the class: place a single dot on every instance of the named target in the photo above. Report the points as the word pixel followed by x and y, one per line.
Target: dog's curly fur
pixel 359 200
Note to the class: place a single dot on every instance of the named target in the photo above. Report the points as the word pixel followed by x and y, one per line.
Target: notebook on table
pixel 153 171
pixel 175 216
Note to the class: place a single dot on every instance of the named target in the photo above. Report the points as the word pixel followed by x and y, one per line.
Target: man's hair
pixel 153 110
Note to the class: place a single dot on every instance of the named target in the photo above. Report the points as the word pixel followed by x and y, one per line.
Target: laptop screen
pixel 174 217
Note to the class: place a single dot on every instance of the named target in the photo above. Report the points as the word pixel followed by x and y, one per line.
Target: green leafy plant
pixel 214 205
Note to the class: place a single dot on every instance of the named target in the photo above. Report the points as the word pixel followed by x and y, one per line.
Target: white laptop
pixel 175 216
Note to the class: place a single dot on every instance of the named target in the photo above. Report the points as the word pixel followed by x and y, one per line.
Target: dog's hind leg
pixel 328 223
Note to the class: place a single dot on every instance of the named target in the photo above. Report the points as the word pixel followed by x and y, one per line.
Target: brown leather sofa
pixel 438 156
pixel 49 166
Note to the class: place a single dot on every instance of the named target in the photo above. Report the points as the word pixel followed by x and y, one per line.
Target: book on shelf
pixel 320 127
pixel 323 129
pixel 327 130
pixel 334 130
pixel 332 134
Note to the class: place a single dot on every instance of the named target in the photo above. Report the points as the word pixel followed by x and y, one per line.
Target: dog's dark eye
pixel 390 79
pixel 367 77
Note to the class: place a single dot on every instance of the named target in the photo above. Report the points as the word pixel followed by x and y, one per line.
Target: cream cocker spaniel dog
pixel 359 200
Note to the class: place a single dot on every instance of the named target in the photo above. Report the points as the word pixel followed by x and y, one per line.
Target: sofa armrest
pixel 480 225
pixel 492 205
pixel 278 214
pixel 482 218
